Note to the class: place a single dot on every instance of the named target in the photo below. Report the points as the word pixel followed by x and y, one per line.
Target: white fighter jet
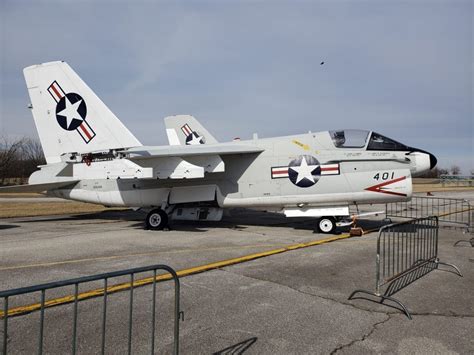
pixel 92 157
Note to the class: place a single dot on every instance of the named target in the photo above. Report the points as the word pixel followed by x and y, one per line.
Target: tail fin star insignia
pixel 192 137
pixel 71 112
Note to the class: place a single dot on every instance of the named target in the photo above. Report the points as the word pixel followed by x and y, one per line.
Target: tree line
pixel 437 172
pixel 19 158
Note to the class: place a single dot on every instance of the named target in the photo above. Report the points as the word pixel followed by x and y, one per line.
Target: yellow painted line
pixel 181 273
pixel 111 257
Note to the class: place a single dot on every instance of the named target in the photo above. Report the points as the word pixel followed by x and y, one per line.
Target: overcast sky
pixel 401 68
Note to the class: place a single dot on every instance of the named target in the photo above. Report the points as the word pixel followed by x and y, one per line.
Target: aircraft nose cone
pixel 433 161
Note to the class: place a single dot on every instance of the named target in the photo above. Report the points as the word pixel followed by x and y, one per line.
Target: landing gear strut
pixel 157 219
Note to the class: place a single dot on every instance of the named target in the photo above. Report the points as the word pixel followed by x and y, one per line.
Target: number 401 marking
pixel 384 176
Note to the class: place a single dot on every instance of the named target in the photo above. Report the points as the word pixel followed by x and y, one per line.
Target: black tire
pixel 157 219
pixel 327 225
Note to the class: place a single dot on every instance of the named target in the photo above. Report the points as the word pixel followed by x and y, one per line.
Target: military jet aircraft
pixel 92 157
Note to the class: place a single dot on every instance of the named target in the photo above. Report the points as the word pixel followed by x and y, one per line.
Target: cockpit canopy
pixel 356 138
pixel 349 138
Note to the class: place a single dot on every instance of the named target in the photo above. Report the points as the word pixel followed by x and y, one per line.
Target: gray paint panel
pixel 192 194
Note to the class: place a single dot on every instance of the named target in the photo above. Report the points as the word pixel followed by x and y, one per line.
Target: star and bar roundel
pixel 304 171
pixel 71 112
pixel 192 137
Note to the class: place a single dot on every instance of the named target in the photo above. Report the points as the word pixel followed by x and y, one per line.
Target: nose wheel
pixel 157 219
pixel 327 225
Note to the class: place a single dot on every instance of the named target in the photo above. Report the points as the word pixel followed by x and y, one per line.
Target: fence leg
pixel 457 271
pixel 382 299
pixel 470 241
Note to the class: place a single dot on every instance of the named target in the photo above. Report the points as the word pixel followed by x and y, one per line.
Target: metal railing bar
pixel 41 327
pixel 424 239
pixel 398 251
pixel 5 325
pixel 178 314
pixel 153 314
pixel 449 216
pixel 130 315
pixel 104 316
pixel 383 256
pixel 74 324
pixel 79 280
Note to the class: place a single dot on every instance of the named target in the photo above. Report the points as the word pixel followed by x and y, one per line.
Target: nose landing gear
pixel 327 225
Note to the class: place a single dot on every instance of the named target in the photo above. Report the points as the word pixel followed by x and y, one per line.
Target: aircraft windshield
pixel 379 142
pixel 349 138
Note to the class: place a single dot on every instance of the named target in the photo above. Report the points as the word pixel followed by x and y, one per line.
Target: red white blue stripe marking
pixel 186 130
pixel 279 172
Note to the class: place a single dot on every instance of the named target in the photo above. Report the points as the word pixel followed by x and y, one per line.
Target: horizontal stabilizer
pixel 37 187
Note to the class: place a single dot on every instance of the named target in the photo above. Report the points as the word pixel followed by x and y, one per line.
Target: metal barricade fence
pixel 468 242
pixel 405 252
pixel 8 313
pixel 448 210
pixel 457 180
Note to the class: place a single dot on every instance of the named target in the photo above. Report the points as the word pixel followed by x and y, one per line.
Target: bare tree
pixel 8 155
pixel 435 173
pixel 455 170
pixel 443 171
pixel 31 155
pixel 32 150
pixel 19 157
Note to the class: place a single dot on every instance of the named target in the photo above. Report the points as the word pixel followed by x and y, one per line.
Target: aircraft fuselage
pixel 273 179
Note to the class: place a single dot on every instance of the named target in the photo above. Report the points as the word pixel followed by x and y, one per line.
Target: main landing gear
pixel 157 219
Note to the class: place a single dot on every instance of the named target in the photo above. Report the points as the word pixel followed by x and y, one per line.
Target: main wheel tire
pixel 327 225
pixel 157 219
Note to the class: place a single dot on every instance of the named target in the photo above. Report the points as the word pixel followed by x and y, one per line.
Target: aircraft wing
pixel 192 150
pixel 186 161
pixel 37 187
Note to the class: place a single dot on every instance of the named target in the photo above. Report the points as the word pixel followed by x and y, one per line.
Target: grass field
pixel 32 209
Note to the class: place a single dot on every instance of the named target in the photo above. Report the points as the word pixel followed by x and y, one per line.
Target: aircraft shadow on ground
pixel 8 226
pixel 238 348
pixel 112 215
pixel 236 219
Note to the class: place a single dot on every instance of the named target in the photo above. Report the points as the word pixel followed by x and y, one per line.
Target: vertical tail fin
pixel 69 116
pixel 186 130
